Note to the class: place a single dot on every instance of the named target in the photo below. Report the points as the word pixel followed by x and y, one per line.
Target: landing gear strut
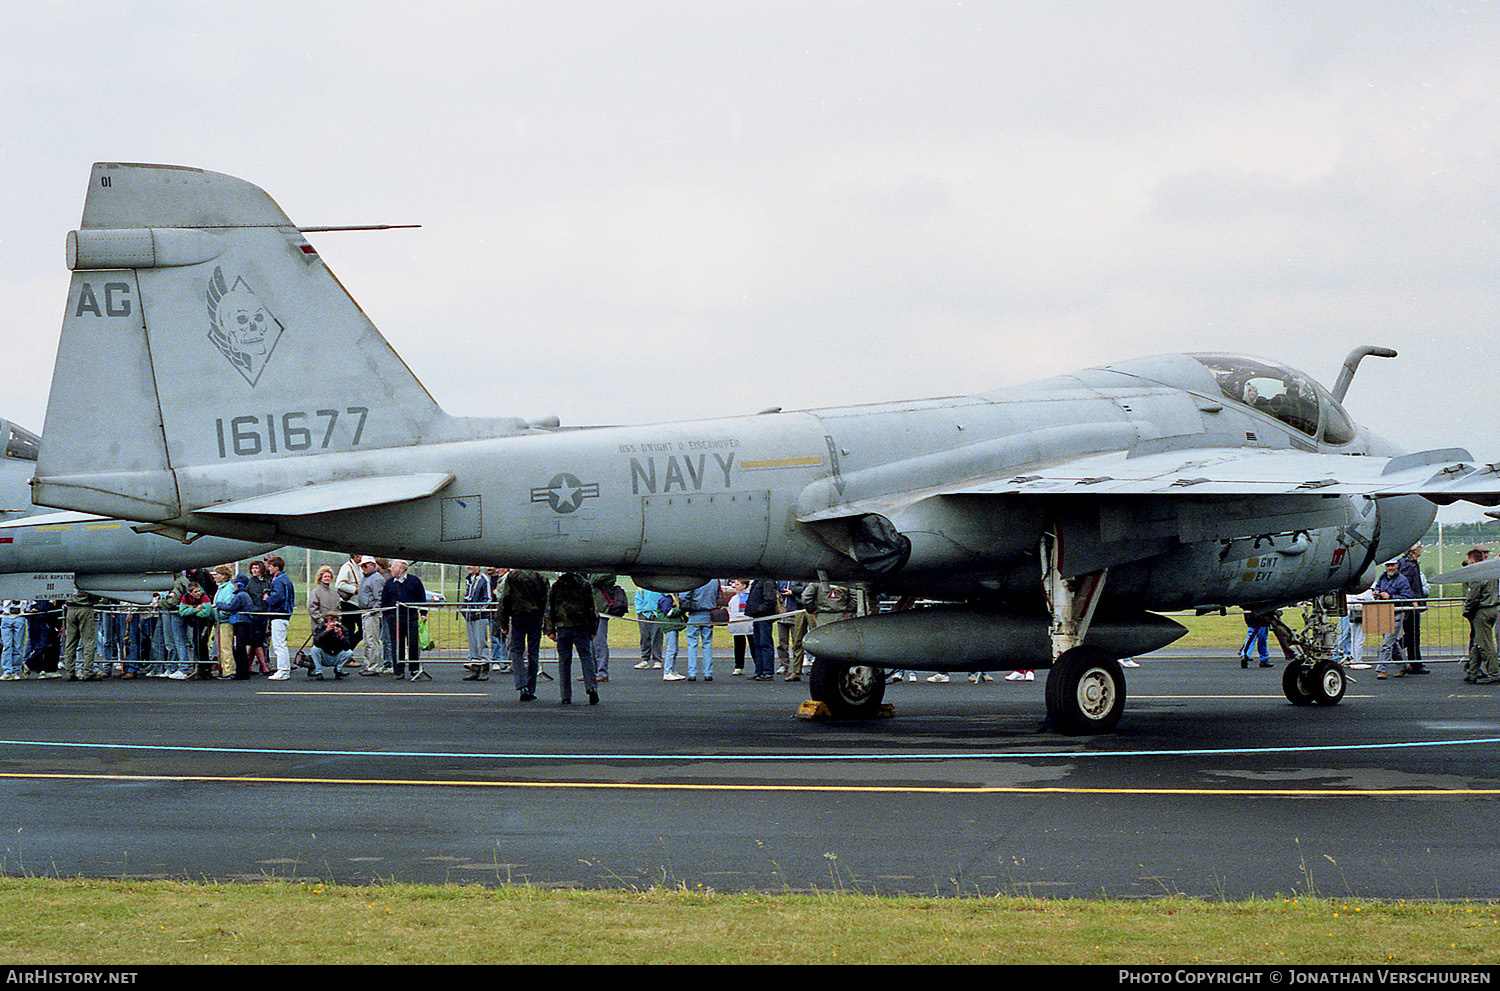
pixel 850 692
pixel 1085 688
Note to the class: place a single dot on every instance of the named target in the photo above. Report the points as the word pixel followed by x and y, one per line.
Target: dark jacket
pixel 241 605
pixel 524 594
pixel 1411 570
pixel 282 598
pixel 570 606
pixel 762 599
pixel 258 589
pixel 332 642
pixel 605 589
pixel 1394 585
pixel 409 589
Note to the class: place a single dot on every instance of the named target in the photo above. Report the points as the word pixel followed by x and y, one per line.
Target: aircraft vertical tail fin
pixel 204 330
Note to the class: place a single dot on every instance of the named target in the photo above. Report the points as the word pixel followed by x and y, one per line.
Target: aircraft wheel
pixel 1327 682
pixel 1085 692
pixel 849 692
pixel 1297 683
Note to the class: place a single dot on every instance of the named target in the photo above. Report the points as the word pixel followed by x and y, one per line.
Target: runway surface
pixel 1214 785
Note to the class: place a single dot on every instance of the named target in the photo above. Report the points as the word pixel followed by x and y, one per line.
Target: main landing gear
pixel 849 692
pixel 1085 692
pixel 1322 682
pixel 1314 675
pixel 1085 688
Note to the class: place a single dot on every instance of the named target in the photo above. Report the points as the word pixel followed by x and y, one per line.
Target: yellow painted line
pixel 58 526
pixel 783 463
pixel 101 526
pixel 790 789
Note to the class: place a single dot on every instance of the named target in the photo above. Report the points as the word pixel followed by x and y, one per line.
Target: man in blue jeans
pixel 700 603
pixel 12 640
pixel 1257 624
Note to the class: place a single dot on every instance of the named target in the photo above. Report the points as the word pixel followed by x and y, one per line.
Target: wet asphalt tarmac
pixel 1214 785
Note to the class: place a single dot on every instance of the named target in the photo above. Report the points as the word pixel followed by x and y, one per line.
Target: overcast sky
pixel 645 211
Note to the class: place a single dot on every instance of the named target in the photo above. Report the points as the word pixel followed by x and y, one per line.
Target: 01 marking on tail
pixel 1054 516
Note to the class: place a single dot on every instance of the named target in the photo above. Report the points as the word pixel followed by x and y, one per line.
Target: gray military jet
pixel 251 397
pixel 52 555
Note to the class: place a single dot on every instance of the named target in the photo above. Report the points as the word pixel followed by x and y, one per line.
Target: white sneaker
pixel 894 679
pixel 910 676
pixel 656 666
pixel 643 666
pixel 280 676
pixel 939 678
pixel 178 676
pixel 674 676
pixel 1021 676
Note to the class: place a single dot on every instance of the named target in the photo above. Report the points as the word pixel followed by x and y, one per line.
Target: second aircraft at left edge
pixel 50 555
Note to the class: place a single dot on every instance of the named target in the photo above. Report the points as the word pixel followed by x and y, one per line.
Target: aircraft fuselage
pixel 743 495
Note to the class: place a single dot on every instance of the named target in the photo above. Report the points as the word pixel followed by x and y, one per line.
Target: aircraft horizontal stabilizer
pixel 48 519
pixel 332 497
pixel 1483 571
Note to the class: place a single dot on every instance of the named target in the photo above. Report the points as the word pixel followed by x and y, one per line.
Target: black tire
pixel 1297 683
pixel 849 692
pixel 1328 683
pixel 1085 692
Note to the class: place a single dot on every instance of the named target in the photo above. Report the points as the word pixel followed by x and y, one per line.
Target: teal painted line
pixel 789 758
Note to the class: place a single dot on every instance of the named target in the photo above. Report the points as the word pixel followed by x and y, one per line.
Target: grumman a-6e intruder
pixel 249 396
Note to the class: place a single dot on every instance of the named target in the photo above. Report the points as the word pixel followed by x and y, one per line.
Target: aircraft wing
pixel 1121 505
pixel 1155 468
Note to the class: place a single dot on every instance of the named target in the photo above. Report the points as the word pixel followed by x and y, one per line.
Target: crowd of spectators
pixel 369 616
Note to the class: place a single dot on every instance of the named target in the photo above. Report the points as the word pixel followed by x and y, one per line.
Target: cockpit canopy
pixel 1281 392
pixel 20 443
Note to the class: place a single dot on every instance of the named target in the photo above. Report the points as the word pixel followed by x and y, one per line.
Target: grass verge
pixel 284 922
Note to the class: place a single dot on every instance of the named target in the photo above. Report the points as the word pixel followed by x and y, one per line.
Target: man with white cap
pixel 371 588
pixel 1392 585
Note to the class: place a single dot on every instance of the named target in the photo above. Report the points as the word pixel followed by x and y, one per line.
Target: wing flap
pixel 333 497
